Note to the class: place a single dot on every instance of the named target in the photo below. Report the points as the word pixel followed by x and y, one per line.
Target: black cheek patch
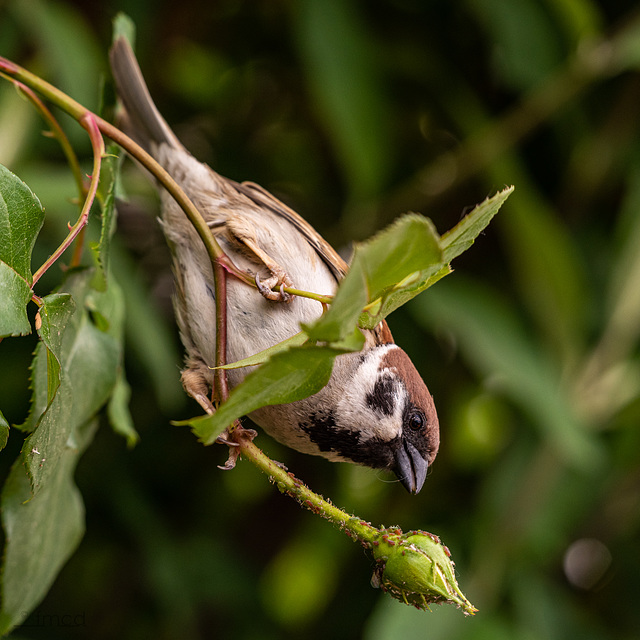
pixel 382 398
pixel 328 436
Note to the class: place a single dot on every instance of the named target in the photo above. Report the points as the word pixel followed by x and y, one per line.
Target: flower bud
pixel 416 569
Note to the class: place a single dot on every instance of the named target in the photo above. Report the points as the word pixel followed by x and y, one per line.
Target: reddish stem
pixel 221 387
pixel 88 121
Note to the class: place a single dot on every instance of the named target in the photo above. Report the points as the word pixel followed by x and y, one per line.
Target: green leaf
pixel 107 309
pixel 288 376
pixel 118 411
pixel 395 299
pixel 55 312
pixel 21 218
pixel 123 25
pixel 400 262
pixel 102 248
pixel 462 236
pixel 73 375
pixel 4 431
pixel 396 265
pixel 407 248
pixel 341 317
pixel 262 356
pixel 15 294
pixel 353 342
pixel 82 360
pixel 41 531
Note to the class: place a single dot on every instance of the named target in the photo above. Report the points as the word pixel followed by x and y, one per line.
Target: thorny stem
pixel 220 261
pixel 88 121
pixel 414 568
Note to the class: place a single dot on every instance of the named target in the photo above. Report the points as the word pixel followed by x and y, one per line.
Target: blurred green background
pixel 354 112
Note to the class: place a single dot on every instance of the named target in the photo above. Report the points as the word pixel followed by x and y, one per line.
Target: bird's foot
pixel 273 288
pixel 233 438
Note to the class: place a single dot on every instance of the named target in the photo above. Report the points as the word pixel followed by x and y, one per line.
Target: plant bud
pixel 416 569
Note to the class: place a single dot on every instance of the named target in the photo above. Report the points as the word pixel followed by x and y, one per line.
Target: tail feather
pixel 142 120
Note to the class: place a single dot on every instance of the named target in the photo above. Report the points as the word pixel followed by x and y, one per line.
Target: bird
pixel 375 410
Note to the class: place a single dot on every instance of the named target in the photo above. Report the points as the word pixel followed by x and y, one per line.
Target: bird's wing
pixel 263 198
pixel 381 334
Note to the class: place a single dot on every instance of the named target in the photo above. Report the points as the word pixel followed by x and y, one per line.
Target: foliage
pixel 77 364
pixel 531 349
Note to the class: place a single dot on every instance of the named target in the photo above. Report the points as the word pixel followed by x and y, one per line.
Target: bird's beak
pixel 411 467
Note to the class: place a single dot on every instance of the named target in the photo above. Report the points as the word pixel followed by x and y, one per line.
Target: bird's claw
pixel 265 287
pixel 233 439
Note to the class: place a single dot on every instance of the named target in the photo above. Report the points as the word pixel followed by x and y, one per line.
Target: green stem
pixel 414 569
pixel 77 111
pixel 324 299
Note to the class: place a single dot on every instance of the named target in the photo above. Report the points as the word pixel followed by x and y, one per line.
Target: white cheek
pixel 354 410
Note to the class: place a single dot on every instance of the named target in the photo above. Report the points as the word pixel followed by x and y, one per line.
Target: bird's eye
pixel 415 421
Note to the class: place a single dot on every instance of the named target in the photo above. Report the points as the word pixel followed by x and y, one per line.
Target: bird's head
pixel 381 415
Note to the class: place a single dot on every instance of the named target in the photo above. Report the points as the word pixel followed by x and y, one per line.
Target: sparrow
pixel 375 410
